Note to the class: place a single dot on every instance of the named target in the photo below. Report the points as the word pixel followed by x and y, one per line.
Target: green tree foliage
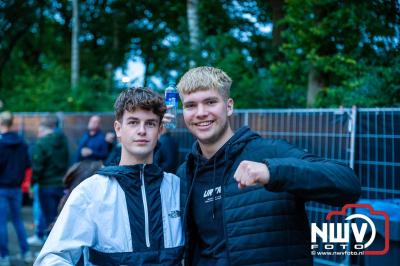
pixel 35 76
pixel 273 50
pixel 352 46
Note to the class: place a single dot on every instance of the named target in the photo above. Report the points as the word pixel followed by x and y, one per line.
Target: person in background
pixel 93 145
pixel 115 156
pixel 49 165
pixel 114 150
pixel 37 239
pixel 14 162
pixel 111 141
pixel 246 194
pixel 166 155
pixel 75 175
pixel 26 185
pixel 38 220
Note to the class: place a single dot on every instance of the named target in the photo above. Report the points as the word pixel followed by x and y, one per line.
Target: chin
pixel 206 139
pixel 140 154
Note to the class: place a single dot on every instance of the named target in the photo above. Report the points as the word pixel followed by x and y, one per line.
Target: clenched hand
pixel 251 173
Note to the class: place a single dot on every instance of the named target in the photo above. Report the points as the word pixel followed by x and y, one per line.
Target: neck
pixel 128 159
pixel 4 130
pixel 209 149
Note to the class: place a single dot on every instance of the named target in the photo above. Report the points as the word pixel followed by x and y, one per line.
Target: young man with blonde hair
pixel 246 194
pixel 127 214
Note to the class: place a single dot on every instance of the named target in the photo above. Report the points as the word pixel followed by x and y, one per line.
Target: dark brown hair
pixel 139 97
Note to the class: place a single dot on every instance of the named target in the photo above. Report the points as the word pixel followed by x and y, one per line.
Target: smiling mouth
pixel 204 123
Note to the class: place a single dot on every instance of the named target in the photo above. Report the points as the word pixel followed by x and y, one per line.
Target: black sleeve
pixel 310 177
pixel 39 159
pixel 82 143
pixel 100 151
pixel 168 155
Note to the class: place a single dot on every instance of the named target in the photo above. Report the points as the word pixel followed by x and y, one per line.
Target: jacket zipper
pixel 146 210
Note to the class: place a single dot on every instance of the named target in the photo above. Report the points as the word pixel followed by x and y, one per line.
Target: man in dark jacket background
pixel 50 163
pixel 246 194
pixel 93 145
pixel 14 161
pixel 166 156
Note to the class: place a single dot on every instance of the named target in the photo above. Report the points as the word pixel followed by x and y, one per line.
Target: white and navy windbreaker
pixel 124 215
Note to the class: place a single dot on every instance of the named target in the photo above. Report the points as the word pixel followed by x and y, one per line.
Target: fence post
pixel 246 118
pixel 353 135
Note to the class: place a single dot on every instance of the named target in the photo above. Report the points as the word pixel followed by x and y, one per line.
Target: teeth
pixel 206 123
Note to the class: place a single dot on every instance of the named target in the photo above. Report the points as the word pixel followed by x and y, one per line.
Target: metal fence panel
pixel 368 141
pixel 378 152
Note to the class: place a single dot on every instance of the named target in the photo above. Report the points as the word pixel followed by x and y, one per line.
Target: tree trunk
pixel 315 84
pixel 277 14
pixel 146 71
pixel 194 31
pixel 75 46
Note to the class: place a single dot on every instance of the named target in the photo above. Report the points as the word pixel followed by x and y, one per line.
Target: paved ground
pixel 13 240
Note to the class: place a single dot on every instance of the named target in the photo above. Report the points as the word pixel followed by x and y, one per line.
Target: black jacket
pixel 152 199
pixel 167 154
pixel 50 160
pixel 14 160
pixel 268 225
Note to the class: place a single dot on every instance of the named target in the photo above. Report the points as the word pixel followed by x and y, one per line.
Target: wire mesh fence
pixel 368 140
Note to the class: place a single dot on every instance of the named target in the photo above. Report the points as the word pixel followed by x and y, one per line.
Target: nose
pixel 142 129
pixel 201 111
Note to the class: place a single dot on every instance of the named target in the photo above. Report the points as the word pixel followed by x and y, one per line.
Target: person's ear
pixel 117 128
pixel 229 107
pixel 160 130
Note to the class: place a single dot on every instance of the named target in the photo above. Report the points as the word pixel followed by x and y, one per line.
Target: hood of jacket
pixel 10 139
pixel 130 174
pixel 228 152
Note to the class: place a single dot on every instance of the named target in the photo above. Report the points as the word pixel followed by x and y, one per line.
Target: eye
pixel 211 102
pixel 151 124
pixel 188 105
pixel 133 122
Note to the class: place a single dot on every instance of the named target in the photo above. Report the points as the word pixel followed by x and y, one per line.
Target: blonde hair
pixel 205 78
pixel 6 119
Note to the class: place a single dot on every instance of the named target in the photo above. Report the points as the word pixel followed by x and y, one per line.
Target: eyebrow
pixel 204 100
pixel 211 98
pixel 137 119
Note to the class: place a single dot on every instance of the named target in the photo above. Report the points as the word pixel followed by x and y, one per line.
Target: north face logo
pixel 174 214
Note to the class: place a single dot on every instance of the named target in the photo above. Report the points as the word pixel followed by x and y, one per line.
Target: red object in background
pixel 26 184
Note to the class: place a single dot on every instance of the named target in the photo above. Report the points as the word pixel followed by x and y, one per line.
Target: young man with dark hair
pixel 127 214
pixel 246 194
